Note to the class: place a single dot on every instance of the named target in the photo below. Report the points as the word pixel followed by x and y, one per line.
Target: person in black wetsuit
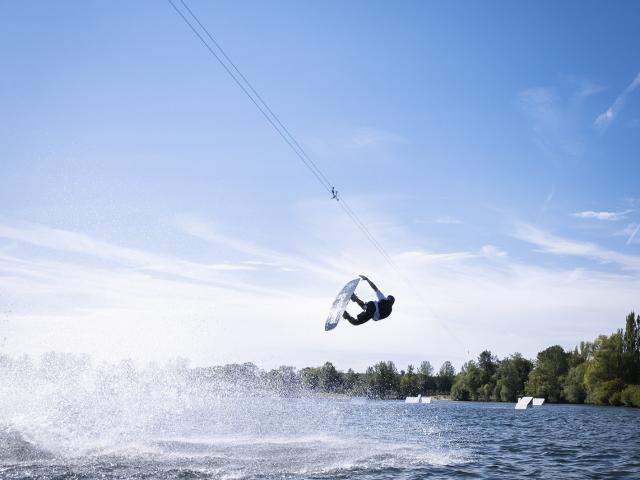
pixel 376 310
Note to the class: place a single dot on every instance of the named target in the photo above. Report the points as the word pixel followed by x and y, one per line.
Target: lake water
pixel 168 434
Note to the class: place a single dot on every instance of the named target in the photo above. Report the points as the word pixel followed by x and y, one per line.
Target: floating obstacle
pixel 524 403
pixel 418 399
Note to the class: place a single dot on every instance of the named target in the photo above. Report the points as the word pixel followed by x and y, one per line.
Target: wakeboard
pixel 340 304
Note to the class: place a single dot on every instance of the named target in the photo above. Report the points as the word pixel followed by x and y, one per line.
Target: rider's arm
pixel 371 284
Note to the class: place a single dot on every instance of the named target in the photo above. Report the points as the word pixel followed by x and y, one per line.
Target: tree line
pixel 382 380
pixel 603 372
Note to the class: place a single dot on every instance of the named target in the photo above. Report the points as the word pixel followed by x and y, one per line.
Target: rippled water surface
pixel 310 438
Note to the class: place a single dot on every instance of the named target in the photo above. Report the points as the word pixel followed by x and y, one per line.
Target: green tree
pixel 350 381
pixel 426 380
pixel 546 379
pixel 573 388
pixel 309 378
pixel 512 375
pixel 329 379
pixel 488 365
pixel 580 354
pixel 284 380
pixel 383 380
pixel 409 383
pixel 426 368
pixel 446 377
pixel 631 348
pixel 467 383
pixel 603 375
pixel 631 396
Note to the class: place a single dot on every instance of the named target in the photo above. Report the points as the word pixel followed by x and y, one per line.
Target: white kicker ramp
pixel 523 403
pixel 418 399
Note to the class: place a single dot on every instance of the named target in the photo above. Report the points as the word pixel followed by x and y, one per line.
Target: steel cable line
pixel 311 168
pixel 291 141
pixel 277 124
pixel 348 210
pixel 253 90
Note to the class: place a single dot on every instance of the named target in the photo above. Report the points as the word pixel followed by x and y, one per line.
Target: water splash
pixel 232 422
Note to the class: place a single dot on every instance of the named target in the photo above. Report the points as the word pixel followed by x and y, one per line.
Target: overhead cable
pixel 230 67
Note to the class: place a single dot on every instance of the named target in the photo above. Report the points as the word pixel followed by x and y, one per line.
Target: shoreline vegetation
pixel 603 372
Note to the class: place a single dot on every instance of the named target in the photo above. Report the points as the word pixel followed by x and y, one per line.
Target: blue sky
pixel 148 210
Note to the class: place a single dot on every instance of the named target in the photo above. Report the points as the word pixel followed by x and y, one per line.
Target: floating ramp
pixel 524 403
pixel 418 399
pixel 537 402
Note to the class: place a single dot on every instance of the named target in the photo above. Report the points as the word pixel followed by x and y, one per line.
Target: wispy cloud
pixel 491 251
pixel 422 257
pixel 205 230
pixel 425 257
pixel 115 307
pixel 367 137
pixel 548 198
pixel 485 296
pixel 440 220
pixel 632 232
pixel 261 257
pixel 589 88
pixel 605 119
pixel 89 249
pixel 610 216
pixel 554 123
pixel 447 220
pixel 73 292
pixel 561 246
pixel 585 87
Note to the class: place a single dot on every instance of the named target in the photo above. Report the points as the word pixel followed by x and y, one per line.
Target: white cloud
pixel 562 246
pixel 606 118
pixel 585 87
pixel 440 220
pixel 632 232
pixel 447 220
pixel 588 88
pixel 200 228
pixel 447 303
pixel 555 124
pixel 611 216
pixel 510 306
pixel 123 257
pixel 491 251
pixel 541 104
pixel 547 200
pixel 422 257
pixel 367 137
pixel 203 229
